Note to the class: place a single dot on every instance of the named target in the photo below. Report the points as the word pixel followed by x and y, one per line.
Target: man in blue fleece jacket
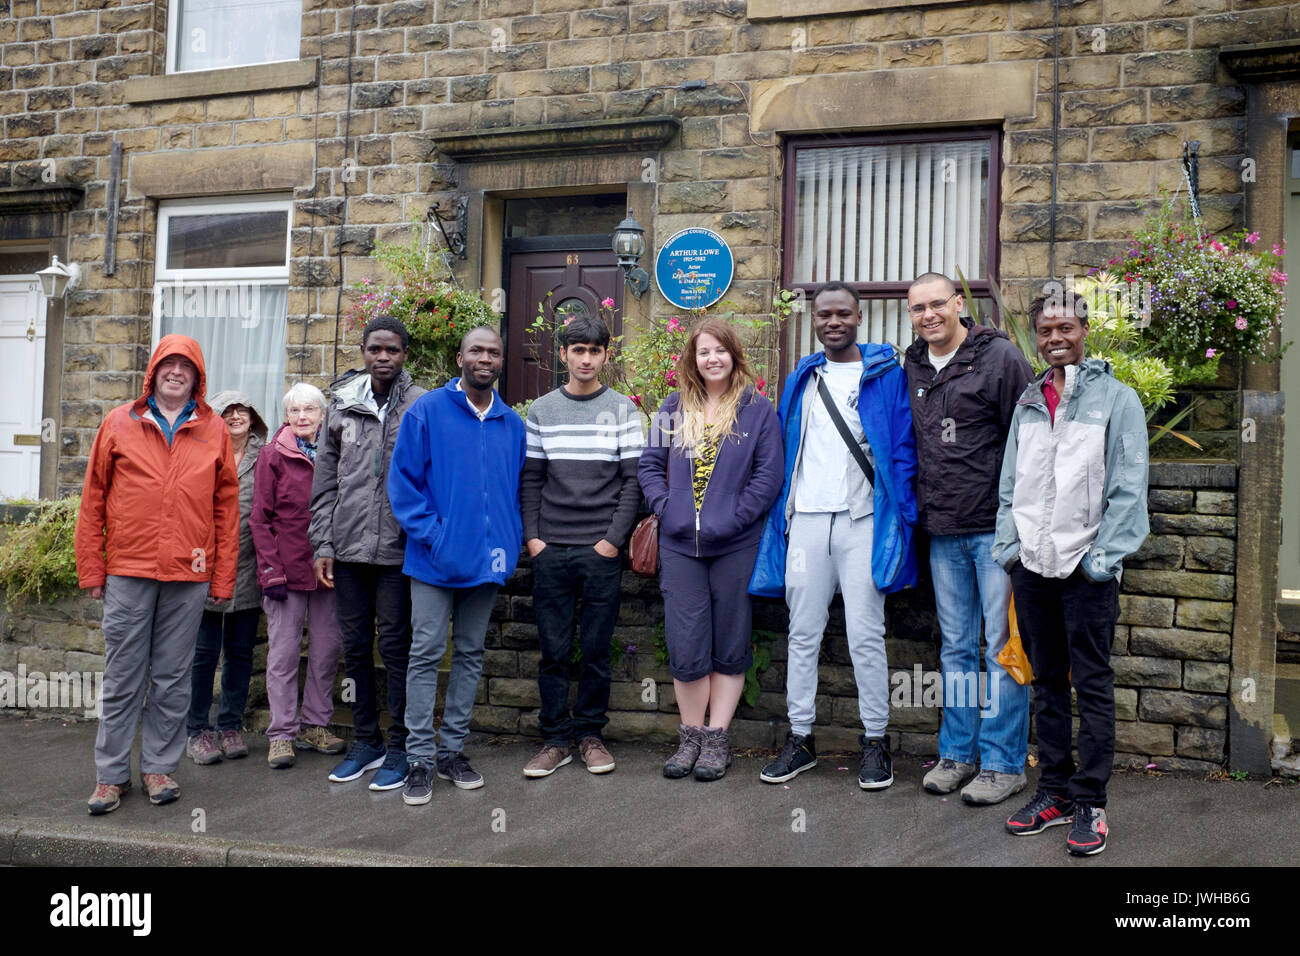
pixel 454 488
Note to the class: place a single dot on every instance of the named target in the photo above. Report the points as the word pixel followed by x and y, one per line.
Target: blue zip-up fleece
pixel 454 488
pixel 886 416
pixel 746 477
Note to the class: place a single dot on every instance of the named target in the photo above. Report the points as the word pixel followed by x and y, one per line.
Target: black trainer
pixel 456 768
pixel 1045 810
pixel 1088 834
pixel 798 754
pixel 876 769
pixel 418 789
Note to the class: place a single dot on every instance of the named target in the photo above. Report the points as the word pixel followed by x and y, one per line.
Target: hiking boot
pixel 947 775
pixel 548 760
pixel 594 755
pixel 1088 832
pixel 202 748
pixel 318 739
pixel 992 786
pixel 393 773
pixel 1045 810
pixel 715 754
pixel 107 797
pixel 688 751
pixel 455 767
pixel 798 754
pixel 360 759
pixel 876 767
pixel 160 787
pixel 281 754
pixel 232 744
pixel 418 789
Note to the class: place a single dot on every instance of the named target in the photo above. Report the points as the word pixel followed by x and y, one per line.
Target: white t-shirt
pixel 939 361
pixel 826 463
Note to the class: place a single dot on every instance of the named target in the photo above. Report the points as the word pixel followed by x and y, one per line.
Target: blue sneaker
pixel 392 775
pixel 360 759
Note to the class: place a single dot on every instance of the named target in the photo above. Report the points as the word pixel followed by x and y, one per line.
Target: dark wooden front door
pixel 572 282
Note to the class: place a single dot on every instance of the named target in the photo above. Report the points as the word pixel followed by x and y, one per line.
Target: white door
pixel 22 367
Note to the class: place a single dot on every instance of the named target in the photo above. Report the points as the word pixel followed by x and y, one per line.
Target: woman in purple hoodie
pixel 711 470
pixel 281 515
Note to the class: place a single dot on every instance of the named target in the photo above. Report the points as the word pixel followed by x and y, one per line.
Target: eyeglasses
pixel 918 310
pixel 236 413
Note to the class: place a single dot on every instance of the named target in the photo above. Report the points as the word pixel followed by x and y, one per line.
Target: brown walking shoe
pixel 715 754
pixel 203 749
pixel 682 762
pixel 280 755
pixel 548 760
pixel 318 739
pixel 107 797
pixel 232 744
pixel 160 787
pixel 594 755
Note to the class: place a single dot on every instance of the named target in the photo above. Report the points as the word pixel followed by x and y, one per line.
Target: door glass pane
pixel 227 240
pixel 571 309
pixel 211 34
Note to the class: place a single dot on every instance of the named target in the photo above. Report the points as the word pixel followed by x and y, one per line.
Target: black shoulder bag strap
pixel 858 454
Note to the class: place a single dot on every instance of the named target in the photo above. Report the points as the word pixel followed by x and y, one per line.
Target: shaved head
pixel 478 330
pixel 927 277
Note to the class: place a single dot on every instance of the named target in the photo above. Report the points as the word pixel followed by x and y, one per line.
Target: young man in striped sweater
pixel 579 496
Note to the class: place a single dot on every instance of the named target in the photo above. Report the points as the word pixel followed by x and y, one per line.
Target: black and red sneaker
pixel 1088 834
pixel 1045 810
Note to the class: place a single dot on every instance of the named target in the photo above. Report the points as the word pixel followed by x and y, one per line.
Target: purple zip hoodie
pixel 746 480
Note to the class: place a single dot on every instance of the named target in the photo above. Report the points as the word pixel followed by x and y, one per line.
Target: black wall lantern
pixel 629 245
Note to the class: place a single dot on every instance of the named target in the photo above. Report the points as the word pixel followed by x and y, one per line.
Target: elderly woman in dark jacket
pixel 290 591
pixel 711 470
pixel 229 629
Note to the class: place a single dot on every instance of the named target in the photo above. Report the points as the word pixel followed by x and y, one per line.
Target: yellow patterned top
pixel 706 455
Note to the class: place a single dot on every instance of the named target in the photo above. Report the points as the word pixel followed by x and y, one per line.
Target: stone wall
pixel 1137 78
pixel 1170 655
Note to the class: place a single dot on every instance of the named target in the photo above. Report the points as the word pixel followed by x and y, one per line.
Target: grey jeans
pixel 150 631
pixel 829 552
pixel 468 610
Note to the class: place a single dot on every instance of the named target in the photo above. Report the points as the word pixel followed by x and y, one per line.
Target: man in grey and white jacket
pixel 1072 506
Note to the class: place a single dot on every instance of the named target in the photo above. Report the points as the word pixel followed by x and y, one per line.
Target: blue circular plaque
pixel 694 268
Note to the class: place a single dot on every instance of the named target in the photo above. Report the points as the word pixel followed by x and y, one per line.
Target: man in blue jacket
pixel 843 521
pixel 454 488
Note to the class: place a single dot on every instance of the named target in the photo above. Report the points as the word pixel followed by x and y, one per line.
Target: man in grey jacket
pixel 1072 505
pixel 359 546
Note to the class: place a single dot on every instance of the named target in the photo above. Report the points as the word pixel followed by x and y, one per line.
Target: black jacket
pixel 960 417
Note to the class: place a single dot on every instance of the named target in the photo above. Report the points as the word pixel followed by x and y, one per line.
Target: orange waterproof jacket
pixel 150 510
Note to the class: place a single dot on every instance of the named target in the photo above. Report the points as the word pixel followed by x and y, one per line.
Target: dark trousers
pixel 574 582
pixel 1067 627
pixel 707 612
pixel 229 636
pixel 375 599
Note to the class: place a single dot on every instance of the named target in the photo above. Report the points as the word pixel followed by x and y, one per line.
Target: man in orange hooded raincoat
pixel 157 534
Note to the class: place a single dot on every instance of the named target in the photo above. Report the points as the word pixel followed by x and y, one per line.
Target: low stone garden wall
pixel 1171 651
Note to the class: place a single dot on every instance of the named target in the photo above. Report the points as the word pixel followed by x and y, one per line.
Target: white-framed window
pixel 222 278
pixel 215 34
pixel 876 211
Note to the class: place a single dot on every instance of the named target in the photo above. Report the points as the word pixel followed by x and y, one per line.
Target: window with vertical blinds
pixel 878 212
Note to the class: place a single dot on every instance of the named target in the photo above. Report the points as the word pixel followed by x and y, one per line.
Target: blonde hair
pixel 694 395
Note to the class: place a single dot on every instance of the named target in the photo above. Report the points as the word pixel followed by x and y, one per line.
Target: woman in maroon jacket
pixel 281 515
pixel 711 470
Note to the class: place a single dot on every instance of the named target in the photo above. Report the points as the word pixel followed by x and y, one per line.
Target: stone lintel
pixel 558 138
pixel 785 10
pixel 174 174
pixel 25 200
pixel 1192 474
pixel 1262 62
pixel 259 78
pixel 957 95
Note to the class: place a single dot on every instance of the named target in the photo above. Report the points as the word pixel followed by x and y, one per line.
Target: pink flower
pixel 1278 250
pixel 636 400
pixel 1241 323
pixel 671 377
pixel 607 303
pixel 674 325
pixel 675 358
pixel 762 383
pixel 1252 238
pixel 1232 303
pixel 1216 245
pixel 1209 353
pixel 1278 277
pixel 569 319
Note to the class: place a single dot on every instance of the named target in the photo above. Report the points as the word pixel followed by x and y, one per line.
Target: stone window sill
pixel 260 78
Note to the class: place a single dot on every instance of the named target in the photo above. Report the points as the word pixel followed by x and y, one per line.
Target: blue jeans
pixel 230 635
pixel 468 611
pixel 990 722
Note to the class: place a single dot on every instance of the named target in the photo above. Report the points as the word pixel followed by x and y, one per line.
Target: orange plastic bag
pixel 1012 656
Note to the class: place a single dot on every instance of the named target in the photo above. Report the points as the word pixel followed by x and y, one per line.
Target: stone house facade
pixel 184 157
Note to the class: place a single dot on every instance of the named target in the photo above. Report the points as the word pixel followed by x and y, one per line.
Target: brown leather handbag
pixel 643 550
